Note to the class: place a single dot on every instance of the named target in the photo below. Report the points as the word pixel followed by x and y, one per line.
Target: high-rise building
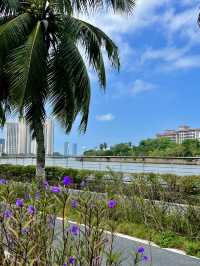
pixel 74 149
pixel 12 132
pixel 2 146
pixel 183 133
pixel 66 148
pixel 25 138
pixel 19 138
pixel 33 146
pixel 49 136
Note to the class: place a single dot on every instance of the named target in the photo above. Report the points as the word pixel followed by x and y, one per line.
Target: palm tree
pixel 41 61
pixel 101 147
pixel 105 146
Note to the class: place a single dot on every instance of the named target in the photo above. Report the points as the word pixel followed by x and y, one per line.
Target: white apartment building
pixel 183 133
pixel 2 146
pixel 66 148
pixel 25 138
pixel 19 138
pixel 49 136
pixel 74 149
pixel 12 130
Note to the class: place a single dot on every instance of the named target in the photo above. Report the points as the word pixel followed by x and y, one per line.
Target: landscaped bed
pixel 136 212
pixel 30 235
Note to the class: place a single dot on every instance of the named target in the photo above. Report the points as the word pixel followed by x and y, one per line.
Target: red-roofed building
pixel 183 133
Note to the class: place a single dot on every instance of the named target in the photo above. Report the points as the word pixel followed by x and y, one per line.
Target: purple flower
pixel 82 184
pixel 55 189
pixel 31 210
pixel 19 202
pixel 140 249
pixel 71 260
pixel 67 180
pixel 46 184
pixel 37 195
pixel 2 181
pixel 7 214
pixel 74 204
pixel 25 230
pixel 74 230
pixel 26 196
pixel 112 204
pixel 65 264
pixel 145 258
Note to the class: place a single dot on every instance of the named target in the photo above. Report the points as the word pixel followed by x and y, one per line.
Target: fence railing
pixel 129 164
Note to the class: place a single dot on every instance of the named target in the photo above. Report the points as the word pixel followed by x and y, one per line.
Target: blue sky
pixel 158 84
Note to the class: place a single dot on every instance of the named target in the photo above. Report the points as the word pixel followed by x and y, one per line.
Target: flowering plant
pixel 35 229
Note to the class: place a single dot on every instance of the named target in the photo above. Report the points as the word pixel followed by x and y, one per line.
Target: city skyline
pixel 18 138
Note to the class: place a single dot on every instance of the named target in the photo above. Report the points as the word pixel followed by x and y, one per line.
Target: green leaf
pixel 122 6
pixel 94 41
pixel 62 6
pixel 13 32
pixel 69 84
pixel 8 6
pixel 26 70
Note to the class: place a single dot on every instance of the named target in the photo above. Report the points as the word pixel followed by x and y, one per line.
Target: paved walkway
pixel 159 257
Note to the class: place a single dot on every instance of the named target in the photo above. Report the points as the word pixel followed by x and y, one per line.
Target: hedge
pixel 53 174
pixel 189 185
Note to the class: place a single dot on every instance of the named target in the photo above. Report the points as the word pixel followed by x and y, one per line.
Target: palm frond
pixel 4 19
pixel 93 41
pixel 70 85
pixel 8 7
pixel 61 93
pixel 26 70
pixel 5 110
pixel 122 6
pixel 13 32
pixel 62 6
pixel 4 99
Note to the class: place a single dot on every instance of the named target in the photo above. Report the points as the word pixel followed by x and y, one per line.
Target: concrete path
pixel 126 245
pixel 159 256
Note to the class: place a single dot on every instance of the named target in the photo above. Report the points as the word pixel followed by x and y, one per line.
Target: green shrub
pixel 193 248
pixel 32 235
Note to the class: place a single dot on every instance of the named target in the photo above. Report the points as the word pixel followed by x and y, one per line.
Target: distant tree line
pixel 150 147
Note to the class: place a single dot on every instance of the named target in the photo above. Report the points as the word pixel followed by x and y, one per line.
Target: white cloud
pixel 187 62
pixel 176 20
pixel 171 58
pixel 166 54
pixel 143 15
pixel 140 86
pixel 162 13
pixel 183 23
pixel 105 117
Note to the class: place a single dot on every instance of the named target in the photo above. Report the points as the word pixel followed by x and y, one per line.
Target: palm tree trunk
pixel 40 160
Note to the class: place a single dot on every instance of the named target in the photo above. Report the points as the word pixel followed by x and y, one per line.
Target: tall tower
pixel 2 146
pixel 74 149
pixel 12 132
pixel 24 138
pixel 66 148
pixel 49 136
pixel 33 146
